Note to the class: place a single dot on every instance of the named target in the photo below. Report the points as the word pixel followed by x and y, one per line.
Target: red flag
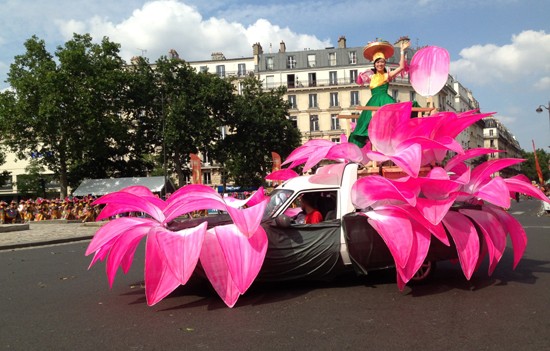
pixel 537 165
pixel 196 169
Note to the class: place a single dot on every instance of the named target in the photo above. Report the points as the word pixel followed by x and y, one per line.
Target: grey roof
pixel 98 187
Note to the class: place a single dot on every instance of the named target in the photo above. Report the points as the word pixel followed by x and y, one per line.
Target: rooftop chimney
pixel 282 47
pixel 217 56
pixel 342 42
pixel 257 49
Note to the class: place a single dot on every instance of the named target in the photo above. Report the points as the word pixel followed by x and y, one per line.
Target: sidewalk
pixel 15 236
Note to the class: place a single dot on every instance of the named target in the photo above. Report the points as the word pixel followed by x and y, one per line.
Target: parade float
pixel 407 199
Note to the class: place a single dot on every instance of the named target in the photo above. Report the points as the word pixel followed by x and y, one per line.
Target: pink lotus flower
pixel 231 255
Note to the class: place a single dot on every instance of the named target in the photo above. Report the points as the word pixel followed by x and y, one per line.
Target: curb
pixel 45 242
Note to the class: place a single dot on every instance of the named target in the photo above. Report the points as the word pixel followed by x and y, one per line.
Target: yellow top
pixel 377 80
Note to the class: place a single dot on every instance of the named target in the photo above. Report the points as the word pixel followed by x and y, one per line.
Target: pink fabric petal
pixel 145 193
pixel 347 151
pixel 468 154
pixel 435 210
pixel 396 231
pixel 159 279
pixel 384 130
pixel 113 229
pixel 244 256
pixel 466 240
pixel 134 202
pixel 123 251
pixel 494 235
pixel 419 251
pixel 429 70
pixel 496 192
pixel 282 174
pixel 248 219
pixel 519 185
pixel 181 249
pixel 481 173
pixel 409 159
pixel 215 267
pixel 367 190
pixel 514 229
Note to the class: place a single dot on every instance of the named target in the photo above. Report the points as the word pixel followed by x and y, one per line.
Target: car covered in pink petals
pixel 422 203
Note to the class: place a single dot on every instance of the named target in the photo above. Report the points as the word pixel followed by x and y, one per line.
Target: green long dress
pixel 379 97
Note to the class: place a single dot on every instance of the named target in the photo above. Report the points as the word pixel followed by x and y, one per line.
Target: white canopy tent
pixel 98 187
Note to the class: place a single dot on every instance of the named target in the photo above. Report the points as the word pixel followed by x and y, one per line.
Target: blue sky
pixel 499 49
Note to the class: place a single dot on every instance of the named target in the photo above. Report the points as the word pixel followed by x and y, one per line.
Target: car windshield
pixel 277 198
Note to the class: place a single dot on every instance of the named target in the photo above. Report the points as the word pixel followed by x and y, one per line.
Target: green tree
pixel 194 107
pixel 528 167
pixel 67 109
pixel 258 126
pixel 32 183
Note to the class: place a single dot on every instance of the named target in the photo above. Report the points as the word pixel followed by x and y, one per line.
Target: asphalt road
pixel 50 301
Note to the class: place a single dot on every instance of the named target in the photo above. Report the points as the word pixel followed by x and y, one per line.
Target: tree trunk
pixel 63 182
pixel 179 168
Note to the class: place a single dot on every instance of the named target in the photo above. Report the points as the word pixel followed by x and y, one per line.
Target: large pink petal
pixel 482 173
pixel 468 154
pixel 215 267
pixel 519 185
pixel 396 231
pixel 130 201
pixel 495 191
pixel 466 240
pixel 384 130
pixel 514 229
pixel 429 70
pixel 244 256
pixel 248 219
pixel 495 237
pixel 437 230
pixel 347 151
pixel 113 229
pixel 181 249
pixel 367 190
pixel 419 251
pixel 408 159
pixel 159 278
pixel 123 251
pixel 282 174
pixel 435 210
pixel 145 193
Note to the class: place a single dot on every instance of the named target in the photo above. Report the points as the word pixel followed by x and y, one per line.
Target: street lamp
pixel 539 110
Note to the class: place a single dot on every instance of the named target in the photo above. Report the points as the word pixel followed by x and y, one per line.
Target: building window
pixel 292 101
pixel 394 94
pixel 491 132
pixel 311 60
pixel 206 178
pixel 492 143
pixel 242 69
pixel 290 62
pixel 294 121
pixel 270 82
pixel 352 57
pixel 312 79
pixel 333 78
pixel 205 160
pixel 220 71
pixel 354 98
pixel 204 69
pixel 334 122
pixel 335 140
pixel 412 96
pixel 313 123
pixel 313 101
pixel 334 100
pixel 269 63
pixel 332 59
pixel 352 75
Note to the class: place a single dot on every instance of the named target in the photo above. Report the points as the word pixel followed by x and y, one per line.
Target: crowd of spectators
pixel 40 209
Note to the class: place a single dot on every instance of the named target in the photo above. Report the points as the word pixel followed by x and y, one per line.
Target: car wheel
pixel 424 272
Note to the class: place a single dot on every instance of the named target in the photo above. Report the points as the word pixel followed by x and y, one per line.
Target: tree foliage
pixel 258 125
pixel 528 167
pixel 67 110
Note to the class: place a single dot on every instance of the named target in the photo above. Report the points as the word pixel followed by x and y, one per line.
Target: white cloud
pixel 159 26
pixel 524 60
pixel 543 84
